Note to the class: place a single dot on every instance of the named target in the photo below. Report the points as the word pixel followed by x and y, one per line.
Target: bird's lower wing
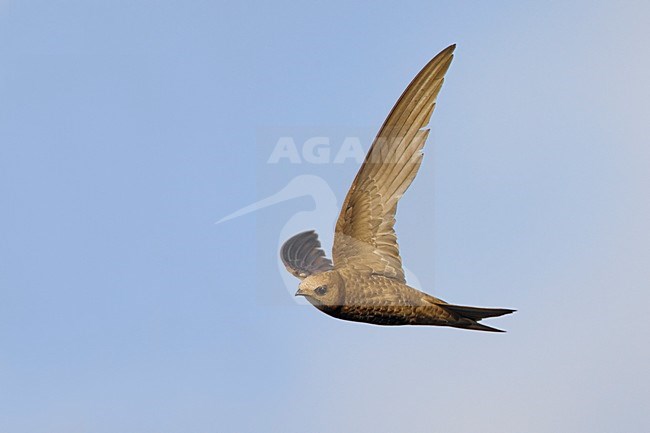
pixel 303 256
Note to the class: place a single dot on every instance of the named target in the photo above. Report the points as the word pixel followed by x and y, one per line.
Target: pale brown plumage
pixel 366 282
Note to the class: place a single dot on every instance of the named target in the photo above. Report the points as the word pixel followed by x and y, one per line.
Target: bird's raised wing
pixel 303 256
pixel 365 238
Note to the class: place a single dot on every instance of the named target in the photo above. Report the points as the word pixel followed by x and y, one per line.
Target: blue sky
pixel 127 129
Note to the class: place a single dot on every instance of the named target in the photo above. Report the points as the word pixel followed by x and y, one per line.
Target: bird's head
pixel 324 289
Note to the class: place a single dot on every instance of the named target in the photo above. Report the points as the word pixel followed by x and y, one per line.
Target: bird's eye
pixel 321 290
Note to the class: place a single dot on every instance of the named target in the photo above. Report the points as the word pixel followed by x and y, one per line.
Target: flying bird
pixel 366 282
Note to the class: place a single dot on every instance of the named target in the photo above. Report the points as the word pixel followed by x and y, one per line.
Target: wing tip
pixel 447 52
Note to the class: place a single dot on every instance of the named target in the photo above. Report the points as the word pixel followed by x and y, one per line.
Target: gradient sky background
pixel 128 128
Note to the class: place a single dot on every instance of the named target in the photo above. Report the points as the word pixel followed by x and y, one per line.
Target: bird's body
pixel 366 282
pixel 384 301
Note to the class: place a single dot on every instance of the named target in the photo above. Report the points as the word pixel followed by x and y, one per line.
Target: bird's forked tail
pixel 477 313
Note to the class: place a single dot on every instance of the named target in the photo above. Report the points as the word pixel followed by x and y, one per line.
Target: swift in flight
pixel 366 281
